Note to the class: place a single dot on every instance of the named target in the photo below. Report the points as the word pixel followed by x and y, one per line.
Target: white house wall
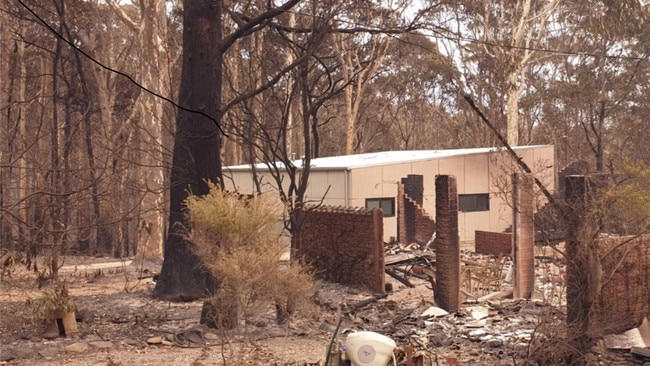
pixel 327 186
pixel 321 183
pixel 540 160
pixel 475 173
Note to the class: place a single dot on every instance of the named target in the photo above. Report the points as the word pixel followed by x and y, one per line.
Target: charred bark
pixel 196 156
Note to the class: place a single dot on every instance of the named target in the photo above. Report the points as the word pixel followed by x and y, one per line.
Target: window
pixel 473 202
pixel 386 204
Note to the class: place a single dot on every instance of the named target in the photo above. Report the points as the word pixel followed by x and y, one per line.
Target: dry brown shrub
pixel 238 241
pixel 549 344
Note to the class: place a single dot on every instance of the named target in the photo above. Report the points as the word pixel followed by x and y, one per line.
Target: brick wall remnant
pixel 523 235
pixel 344 245
pixel 447 244
pixel 414 187
pixel 625 294
pixel 414 225
pixel 492 243
pixel 608 281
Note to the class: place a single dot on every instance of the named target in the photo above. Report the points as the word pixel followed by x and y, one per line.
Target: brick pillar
pixel 523 238
pixel 447 244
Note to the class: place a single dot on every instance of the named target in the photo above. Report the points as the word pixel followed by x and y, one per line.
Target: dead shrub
pixel 238 241
pixel 550 343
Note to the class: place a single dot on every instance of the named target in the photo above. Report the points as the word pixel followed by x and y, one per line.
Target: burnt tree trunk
pixel 583 270
pixel 196 156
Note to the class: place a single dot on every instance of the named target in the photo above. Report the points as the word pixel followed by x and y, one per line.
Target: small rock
pixel 85 315
pixel 494 343
pixel 155 340
pixel 130 342
pixel 102 344
pixel 433 311
pixel 210 336
pixel 440 340
pixel 537 297
pixel 478 312
pixel 10 353
pixel 76 347
pixel 261 323
pixel 475 335
pixel 476 323
pixel 91 337
pixel 167 343
pixel 531 318
pixel 495 304
pixel 49 352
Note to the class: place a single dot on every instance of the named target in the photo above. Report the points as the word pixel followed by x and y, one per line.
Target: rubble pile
pixel 490 328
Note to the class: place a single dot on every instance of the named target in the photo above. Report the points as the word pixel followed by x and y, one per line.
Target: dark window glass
pixel 386 204
pixel 473 202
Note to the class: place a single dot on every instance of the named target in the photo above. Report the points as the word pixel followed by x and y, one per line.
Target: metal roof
pixel 345 162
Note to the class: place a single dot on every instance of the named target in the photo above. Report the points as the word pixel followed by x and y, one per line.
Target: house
pixel 371 180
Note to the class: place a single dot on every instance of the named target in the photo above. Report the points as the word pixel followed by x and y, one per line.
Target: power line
pixel 459 38
pixel 100 64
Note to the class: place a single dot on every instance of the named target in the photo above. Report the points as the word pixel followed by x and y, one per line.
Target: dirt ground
pixel 120 323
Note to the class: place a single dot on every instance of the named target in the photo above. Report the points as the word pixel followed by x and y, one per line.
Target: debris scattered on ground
pixel 490 328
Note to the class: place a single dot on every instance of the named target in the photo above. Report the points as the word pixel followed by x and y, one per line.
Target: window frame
pixel 480 202
pixel 380 200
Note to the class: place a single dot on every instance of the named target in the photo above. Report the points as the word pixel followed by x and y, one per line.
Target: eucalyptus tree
pixel 498 43
pixel 148 20
pixel 102 103
pixel 198 140
pixel 365 37
pixel 41 120
pixel 38 137
pixel 361 55
pixel 597 92
pixel 74 152
pixel 13 160
pixel 413 95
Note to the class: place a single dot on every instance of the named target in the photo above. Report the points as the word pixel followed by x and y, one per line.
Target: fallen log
pixel 396 276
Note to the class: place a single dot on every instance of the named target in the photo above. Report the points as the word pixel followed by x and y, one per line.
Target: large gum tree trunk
pixel 196 146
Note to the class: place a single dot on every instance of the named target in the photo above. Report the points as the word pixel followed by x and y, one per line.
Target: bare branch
pixel 124 17
pixel 516 157
pixel 253 23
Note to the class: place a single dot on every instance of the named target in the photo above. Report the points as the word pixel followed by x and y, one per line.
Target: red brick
pixel 344 245
pixel 492 243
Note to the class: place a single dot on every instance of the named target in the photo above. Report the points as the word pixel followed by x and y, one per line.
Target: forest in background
pixel 86 152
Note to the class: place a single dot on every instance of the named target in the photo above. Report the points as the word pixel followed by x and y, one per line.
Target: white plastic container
pixel 369 349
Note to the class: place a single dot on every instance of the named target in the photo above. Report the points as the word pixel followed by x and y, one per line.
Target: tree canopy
pixel 94 162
